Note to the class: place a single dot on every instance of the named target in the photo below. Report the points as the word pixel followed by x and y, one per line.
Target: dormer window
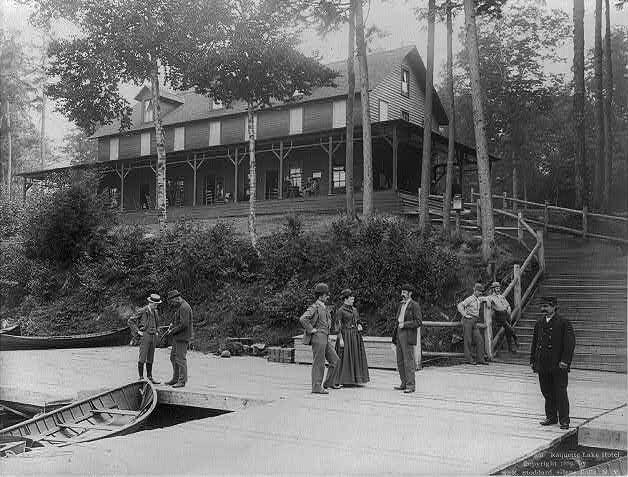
pixel 405 81
pixel 147 111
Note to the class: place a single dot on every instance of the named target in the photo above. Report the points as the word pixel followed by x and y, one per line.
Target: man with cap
pixel 181 330
pixel 317 323
pixel 469 308
pixel 501 314
pixel 553 343
pixel 407 320
pixel 145 323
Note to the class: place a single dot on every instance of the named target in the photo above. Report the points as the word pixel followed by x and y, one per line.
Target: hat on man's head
pixel 321 288
pixel 496 285
pixel 408 287
pixel 173 294
pixel 154 298
pixel 346 293
pixel 478 286
pixel 549 300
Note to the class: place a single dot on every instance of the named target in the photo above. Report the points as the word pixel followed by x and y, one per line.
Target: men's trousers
pixel 502 318
pixel 179 361
pixel 554 389
pixel 471 335
pixel 321 350
pixel 405 360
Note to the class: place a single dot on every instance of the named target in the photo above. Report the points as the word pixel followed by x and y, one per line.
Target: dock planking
pixel 462 419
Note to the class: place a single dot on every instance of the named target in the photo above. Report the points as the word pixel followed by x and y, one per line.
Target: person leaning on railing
pixel 469 308
pixel 501 314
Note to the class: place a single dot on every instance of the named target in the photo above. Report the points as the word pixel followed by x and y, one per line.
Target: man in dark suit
pixel 182 331
pixel 408 319
pixel 551 353
pixel 318 323
pixel 145 323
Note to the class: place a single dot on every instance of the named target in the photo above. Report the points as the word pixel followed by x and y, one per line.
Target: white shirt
pixel 471 306
pixel 402 312
pixel 499 302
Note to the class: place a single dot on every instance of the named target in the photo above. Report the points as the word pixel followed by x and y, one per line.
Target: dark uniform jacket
pixel 552 343
pixel 182 327
pixel 145 321
pixel 411 321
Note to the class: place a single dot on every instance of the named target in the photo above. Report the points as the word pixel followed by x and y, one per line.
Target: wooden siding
pixel 317 116
pixel 232 130
pixel 129 146
pixel 389 90
pixel 103 149
pixel 273 124
pixel 196 135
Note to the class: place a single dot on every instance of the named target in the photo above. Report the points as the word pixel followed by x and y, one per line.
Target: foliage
pixel 79 148
pixel 73 217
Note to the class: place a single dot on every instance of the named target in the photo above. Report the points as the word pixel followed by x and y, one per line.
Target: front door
pixel 271 188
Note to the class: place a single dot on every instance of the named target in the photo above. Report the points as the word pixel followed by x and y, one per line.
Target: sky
pixel 394 17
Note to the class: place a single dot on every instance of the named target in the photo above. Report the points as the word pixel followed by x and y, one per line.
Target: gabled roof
pixel 195 107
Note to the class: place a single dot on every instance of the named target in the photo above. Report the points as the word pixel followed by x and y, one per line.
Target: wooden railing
pixel 600 226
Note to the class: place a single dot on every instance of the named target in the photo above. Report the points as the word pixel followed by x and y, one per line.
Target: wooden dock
pixel 462 419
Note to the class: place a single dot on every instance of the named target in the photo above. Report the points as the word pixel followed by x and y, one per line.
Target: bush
pixel 12 216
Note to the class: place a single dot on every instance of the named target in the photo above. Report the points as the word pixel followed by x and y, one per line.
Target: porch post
pixel 330 154
pixel 235 181
pixel 280 169
pixel 194 188
pixel 394 158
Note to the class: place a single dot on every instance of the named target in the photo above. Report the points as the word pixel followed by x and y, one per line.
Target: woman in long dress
pixel 352 369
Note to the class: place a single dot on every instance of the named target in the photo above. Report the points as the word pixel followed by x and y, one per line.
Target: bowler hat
pixel 154 298
pixel 496 285
pixel 407 287
pixel 550 300
pixel 346 293
pixel 321 288
pixel 173 294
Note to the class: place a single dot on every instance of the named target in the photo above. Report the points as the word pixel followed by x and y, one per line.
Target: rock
pixel 225 354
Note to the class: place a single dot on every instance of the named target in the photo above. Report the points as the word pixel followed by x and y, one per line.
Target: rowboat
pixel 118 337
pixel 112 413
pixel 14 330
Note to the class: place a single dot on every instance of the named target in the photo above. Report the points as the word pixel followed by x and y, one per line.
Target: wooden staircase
pixel 589 280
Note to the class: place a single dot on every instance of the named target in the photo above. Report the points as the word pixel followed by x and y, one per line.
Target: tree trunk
pixel 161 150
pixel 9 152
pixel 581 179
pixel 367 182
pixel 426 160
pixel 42 145
pixel 252 177
pixel 598 173
pixel 515 181
pixel 349 117
pixel 451 145
pixel 608 115
pixel 488 227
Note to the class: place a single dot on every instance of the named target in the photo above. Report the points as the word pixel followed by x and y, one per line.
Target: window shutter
pixel 296 120
pixel 113 148
pixel 145 144
pixel 214 133
pixel 179 139
pixel 340 114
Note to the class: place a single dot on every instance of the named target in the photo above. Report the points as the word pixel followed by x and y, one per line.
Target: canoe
pixel 117 337
pixel 112 413
pixel 14 330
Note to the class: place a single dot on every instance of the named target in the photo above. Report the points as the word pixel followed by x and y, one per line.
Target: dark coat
pixel 346 317
pixel 411 321
pixel 182 325
pixel 552 343
pixel 316 316
pixel 145 320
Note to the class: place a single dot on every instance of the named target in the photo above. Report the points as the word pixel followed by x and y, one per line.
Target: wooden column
pixel 545 217
pixel 520 227
pixel 280 182
pixel 505 201
pixel 194 187
pixel 330 155
pixel 585 221
pixel 418 358
pixel 517 289
pixel 194 165
pixel 395 147
pixel 488 331
pixel 235 177
pixel 541 253
pixel 122 175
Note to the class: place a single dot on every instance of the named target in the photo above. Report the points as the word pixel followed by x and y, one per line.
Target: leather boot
pixel 175 376
pixel 149 373
pixel 182 378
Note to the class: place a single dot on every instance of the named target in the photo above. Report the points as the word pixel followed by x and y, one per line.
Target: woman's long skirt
pixel 352 368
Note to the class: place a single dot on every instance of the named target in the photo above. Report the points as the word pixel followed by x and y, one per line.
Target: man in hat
pixel 553 343
pixel 407 320
pixel 501 314
pixel 145 324
pixel 317 323
pixel 181 330
pixel 469 308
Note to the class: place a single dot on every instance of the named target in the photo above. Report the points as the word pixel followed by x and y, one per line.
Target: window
pixel 145 144
pixel 179 139
pixel 214 133
pixel 383 110
pixel 339 177
pixel 296 120
pixel 405 81
pixel 317 174
pixel 114 144
pixel 339 114
pixel 405 115
pixel 147 115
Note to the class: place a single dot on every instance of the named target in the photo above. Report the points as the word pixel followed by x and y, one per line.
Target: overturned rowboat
pixel 118 337
pixel 112 413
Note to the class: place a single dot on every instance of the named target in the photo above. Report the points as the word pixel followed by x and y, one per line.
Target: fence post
pixel 585 220
pixel 545 217
pixel 417 351
pixel 472 192
pixel 541 255
pixel 488 331
pixel 457 223
pixel 517 288
pixel 520 227
pixel 505 201
pixel 479 212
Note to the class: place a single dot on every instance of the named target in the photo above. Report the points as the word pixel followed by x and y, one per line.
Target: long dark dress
pixel 352 368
